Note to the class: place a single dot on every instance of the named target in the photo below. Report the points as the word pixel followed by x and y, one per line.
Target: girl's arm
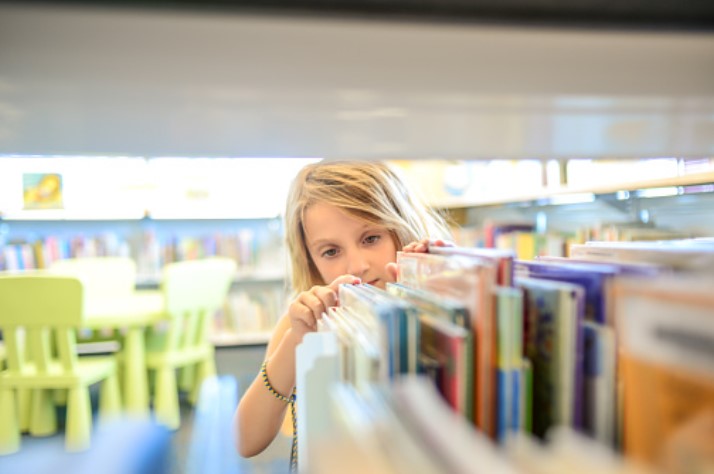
pixel 260 414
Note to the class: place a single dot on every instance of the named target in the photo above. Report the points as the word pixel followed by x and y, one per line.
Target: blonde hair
pixel 369 191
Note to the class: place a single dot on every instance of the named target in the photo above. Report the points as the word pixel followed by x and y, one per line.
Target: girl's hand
pixel 309 305
pixel 420 246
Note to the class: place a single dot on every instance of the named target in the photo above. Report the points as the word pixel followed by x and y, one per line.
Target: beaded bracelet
pixel 269 386
pixel 291 401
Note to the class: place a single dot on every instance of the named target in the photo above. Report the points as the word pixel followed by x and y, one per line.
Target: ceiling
pixel 180 82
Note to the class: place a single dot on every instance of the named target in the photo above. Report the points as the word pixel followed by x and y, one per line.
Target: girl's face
pixel 340 244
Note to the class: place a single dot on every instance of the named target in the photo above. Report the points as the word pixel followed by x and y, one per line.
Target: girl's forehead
pixel 327 220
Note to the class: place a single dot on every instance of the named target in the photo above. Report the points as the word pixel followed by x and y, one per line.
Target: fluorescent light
pixel 575 198
pixel 658 192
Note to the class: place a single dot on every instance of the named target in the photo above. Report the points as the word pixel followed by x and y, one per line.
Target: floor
pixel 203 444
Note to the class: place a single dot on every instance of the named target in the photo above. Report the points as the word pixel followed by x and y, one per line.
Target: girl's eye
pixel 372 239
pixel 329 253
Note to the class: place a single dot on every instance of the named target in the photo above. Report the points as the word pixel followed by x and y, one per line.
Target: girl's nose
pixel 357 265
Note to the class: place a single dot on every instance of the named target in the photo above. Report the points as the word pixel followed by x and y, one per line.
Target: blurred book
pixel 553 343
pixel 599 382
pixel 391 317
pixel 450 346
pixel 446 436
pixel 501 258
pixel 568 451
pixel 681 255
pixel 666 334
pixel 510 389
pixel 470 280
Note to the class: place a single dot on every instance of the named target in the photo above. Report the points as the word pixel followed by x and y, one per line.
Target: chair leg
pixel 109 399
pixel 60 396
pixel 9 428
pixel 205 369
pixel 166 403
pixel 136 395
pixel 187 376
pixel 79 420
pixel 43 419
pixel 24 408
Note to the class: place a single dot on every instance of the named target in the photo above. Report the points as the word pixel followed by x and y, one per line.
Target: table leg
pixel 136 386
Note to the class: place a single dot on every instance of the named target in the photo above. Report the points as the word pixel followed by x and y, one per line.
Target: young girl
pixel 344 222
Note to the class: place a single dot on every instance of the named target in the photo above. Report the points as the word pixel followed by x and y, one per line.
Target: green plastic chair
pixel 37 310
pixel 193 291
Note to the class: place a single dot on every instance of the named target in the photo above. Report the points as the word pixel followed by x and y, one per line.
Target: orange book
pixel 665 330
pixel 668 412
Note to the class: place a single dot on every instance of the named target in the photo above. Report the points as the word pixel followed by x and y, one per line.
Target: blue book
pixel 395 323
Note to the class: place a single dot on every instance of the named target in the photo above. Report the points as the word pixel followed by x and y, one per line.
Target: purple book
pixel 596 279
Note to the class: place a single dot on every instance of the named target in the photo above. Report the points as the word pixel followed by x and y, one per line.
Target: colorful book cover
pixel 552 331
pixel 449 345
pixel 427 304
pixel 502 258
pixel 509 348
pixel 526 396
pixel 469 280
pixel 597 280
pixel 439 306
pixel 12 262
pixel 392 316
pixel 665 332
pixel 599 382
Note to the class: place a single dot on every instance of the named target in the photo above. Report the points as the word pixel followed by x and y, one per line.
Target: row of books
pixel 520 237
pixel 528 243
pixel 149 251
pixel 525 348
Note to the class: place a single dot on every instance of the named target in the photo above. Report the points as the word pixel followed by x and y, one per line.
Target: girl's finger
pixel 302 314
pixel 347 279
pixel 314 303
pixel 326 295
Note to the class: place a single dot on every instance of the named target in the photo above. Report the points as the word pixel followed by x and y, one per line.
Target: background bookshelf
pixel 533 207
pixel 542 207
pixel 156 211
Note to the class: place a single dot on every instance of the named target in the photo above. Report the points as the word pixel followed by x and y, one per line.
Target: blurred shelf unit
pixel 674 186
pixel 156 211
pixel 547 221
pixel 255 245
pixel 259 286
pixel 465 184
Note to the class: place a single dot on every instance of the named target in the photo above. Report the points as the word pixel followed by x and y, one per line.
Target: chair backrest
pixel 40 300
pixel 193 291
pixel 37 311
pixel 102 277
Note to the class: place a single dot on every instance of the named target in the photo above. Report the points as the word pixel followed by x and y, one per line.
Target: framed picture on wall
pixel 42 191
